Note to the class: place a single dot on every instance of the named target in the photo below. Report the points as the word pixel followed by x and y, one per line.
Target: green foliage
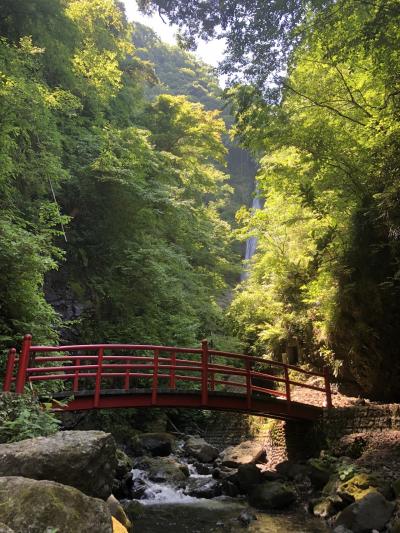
pixel 180 73
pixel 326 271
pixel 24 417
pixel 108 198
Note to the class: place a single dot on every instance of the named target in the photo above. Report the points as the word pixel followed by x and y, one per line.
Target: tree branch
pixel 326 106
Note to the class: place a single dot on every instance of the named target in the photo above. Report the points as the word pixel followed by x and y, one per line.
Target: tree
pixel 330 154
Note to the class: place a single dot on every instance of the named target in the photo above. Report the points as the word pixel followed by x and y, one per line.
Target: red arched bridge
pixel 108 376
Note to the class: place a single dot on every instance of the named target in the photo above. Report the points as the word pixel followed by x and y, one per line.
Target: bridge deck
pixel 270 407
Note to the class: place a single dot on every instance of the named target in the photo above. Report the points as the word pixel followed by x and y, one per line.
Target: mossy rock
pixel 331 487
pixel 155 444
pixel 85 460
pixel 36 506
pixel 271 495
pixel 118 513
pixel 320 472
pixel 369 513
pixel 163 469
pixel 133 509
pixel 324 508
pixel 124 464
pixel 357 487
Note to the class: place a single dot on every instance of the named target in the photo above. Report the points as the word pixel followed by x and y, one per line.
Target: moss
pixel 133 509
pixel 357 487
pixel 44 504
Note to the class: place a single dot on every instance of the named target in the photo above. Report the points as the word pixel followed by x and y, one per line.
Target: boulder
pixel 201 450
pixel 324 508
pixel 39 506
pixel 133 509
pixel 85 460
pixel 203 488
pixel 118 512
pixel 290 470
pixel 247 476
pixel 124 464
pixel 319 472
pixel 122 488
pixel 229 489
pixel 202 469
pixel 163 469
pixel 246 452
pixel 154 444
pixel 356 488
pixel 271 495
pixel 224 472
pixel 371 512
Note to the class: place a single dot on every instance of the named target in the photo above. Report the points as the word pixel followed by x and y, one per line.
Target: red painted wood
pixel 172 380
pixel 287 384
pixel 98 377
pixel 248 384
pixel 155 378
pixel 75 386
pixel 204 364
pixel 120 364
pixel 271 408
pixel 23 364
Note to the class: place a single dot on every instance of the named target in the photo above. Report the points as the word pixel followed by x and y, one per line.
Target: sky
pixel 210 52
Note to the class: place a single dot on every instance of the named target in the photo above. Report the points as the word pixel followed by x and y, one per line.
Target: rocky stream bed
pixel 79 481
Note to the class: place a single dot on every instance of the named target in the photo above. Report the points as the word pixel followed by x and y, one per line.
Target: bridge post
pixel 75 385
pixel 172 381
pixel 98 377
pixel 327 388
pixel 23 364
pixel 287 385
pixel 155 379
pixel 9 370
pixel 248 383
pixel 204 370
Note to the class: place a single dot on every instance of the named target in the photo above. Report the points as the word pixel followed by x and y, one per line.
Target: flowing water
pixel 251 243
pixel 220 515
pixel 167 509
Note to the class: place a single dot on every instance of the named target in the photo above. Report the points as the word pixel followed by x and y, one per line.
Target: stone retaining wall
pixel 301 440
pixel 359 419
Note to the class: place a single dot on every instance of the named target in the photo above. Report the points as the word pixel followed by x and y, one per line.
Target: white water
pixel 251 243
pixel 160 492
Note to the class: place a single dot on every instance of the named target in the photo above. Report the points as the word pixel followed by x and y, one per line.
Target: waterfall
pixel 251 243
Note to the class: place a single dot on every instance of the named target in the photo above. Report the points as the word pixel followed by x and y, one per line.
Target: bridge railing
pixel 124 368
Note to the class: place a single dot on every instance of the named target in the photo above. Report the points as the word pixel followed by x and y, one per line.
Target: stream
pixel 220 515
pixel 167 508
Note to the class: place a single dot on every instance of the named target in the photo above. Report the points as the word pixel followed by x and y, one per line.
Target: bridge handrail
pixel 81 368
